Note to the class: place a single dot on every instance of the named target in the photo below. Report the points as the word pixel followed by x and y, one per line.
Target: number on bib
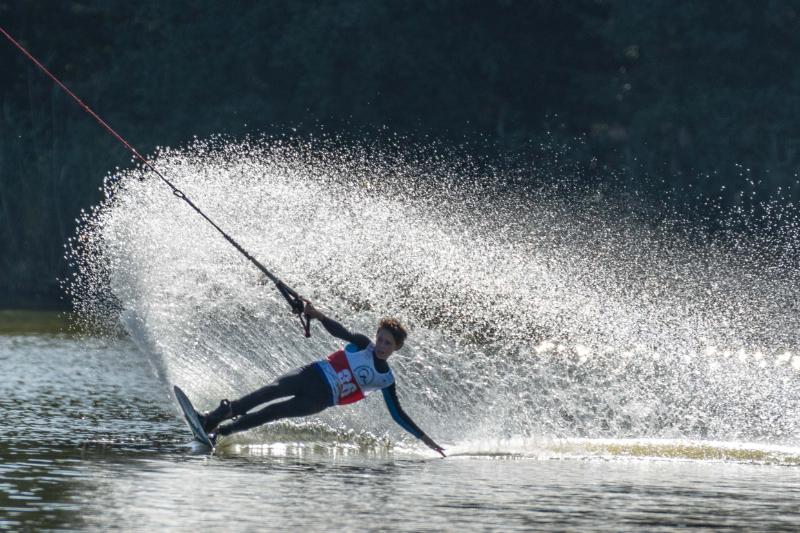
pixel 348 389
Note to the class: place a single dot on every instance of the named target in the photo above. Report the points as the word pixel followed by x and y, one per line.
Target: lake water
pixel 589 362
pixel 91 439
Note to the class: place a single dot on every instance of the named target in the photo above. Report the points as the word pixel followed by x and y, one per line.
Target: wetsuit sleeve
pixel 399 416
pixel 341 332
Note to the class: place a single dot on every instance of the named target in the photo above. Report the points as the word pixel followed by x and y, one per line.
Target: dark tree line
pixel 702 94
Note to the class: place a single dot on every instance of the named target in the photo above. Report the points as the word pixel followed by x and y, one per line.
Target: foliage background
pixel 703 95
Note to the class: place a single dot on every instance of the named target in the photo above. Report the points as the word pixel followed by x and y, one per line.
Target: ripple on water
pixel 102 474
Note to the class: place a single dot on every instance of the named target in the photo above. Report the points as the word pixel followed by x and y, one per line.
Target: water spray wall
pixel 534 312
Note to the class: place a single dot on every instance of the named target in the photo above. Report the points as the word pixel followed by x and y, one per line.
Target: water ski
pixel 191 418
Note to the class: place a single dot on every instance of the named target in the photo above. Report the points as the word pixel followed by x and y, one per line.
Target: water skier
pixel 346 376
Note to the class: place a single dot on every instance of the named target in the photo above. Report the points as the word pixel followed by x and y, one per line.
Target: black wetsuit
pixel 308 392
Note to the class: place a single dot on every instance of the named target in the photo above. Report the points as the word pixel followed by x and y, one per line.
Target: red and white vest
pixel 352 374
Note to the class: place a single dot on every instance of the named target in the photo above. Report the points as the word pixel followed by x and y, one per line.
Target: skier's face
pixel 385 344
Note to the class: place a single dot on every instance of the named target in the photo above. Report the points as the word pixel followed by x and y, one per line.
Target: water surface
pixel 92 440
pixel 588 361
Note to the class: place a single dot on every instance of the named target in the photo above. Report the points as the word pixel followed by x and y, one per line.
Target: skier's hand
pixel 311 311
pixel 432 445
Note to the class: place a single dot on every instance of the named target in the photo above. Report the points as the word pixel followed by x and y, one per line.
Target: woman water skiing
pixel 346 376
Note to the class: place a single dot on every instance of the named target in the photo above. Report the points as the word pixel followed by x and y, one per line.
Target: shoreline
pixel 23 321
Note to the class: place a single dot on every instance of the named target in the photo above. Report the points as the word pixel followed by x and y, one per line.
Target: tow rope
pixel 292 298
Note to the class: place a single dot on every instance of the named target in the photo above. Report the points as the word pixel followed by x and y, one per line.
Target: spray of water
pixel 536 311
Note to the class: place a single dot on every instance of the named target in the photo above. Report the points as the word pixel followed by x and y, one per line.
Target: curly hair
pixel 393 326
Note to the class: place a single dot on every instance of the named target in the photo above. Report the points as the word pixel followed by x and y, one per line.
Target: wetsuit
pixel 346 376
